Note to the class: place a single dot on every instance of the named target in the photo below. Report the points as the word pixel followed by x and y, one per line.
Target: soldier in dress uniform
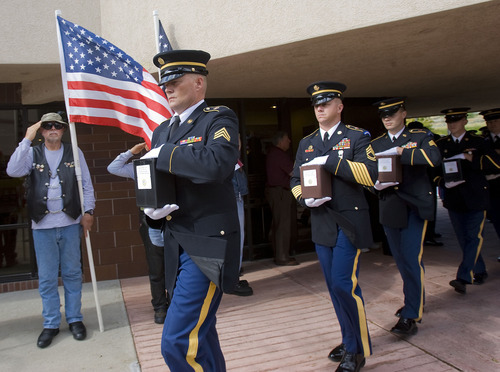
pixel 492 137
pixel 340 225
pixel 405 207
pixel 468 197
pixel 199 147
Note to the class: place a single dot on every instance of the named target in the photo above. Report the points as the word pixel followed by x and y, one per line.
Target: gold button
pixel 396 188
pixel 222 232
pixel 356 208
pixel 169 217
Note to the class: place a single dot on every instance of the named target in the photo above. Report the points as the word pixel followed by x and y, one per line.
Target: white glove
pixel 449 185
pixel 153 153
pixel 380 186
pixel 313 203
pixel 321 160
pixel 159 213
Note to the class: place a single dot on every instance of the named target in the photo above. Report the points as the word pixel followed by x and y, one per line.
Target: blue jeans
pixel 156 237
pixel 468 228
pixel 54 248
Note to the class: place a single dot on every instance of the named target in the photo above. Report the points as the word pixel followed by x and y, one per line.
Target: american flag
pixel 103 85
pixel 163 41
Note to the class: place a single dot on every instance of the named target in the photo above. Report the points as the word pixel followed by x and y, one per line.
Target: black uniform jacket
pixel 201 154
pixel 474 194
pixel 352 163
pixel 415 191
pixel 494 182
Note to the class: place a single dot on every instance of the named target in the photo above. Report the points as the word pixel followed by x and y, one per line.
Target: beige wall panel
pixel 226 28
pixel 28 27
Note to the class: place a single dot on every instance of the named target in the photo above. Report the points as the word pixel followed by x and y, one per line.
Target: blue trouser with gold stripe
pixel 340 265
pixel 468 228
pixel 406 246
pixel 190 341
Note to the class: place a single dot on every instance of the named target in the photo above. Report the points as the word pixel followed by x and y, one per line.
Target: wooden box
pixel 315 182
pixel 153 188
pixel 389 168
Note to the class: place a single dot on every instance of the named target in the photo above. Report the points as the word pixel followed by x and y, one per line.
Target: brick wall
pixel 117 248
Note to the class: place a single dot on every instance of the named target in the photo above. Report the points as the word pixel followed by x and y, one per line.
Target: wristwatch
pixel 90 211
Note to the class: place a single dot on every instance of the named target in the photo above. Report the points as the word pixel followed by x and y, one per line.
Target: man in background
pixel 279 168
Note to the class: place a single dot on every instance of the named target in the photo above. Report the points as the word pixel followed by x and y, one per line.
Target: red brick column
pixel 116 244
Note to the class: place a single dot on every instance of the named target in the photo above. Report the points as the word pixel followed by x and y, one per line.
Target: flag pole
pixel 156 21
pixel 78 172
pixel 157 30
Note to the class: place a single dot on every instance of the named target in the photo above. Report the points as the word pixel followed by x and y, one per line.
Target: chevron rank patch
pixel 222 133
pixel 370 154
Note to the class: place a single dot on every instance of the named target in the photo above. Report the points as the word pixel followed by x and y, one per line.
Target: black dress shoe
pixel 459 285
pixel 351 362
pixel 400 310
pixel 433 242
pixel 79 331
pixel 243 283
pixel 479 278
pixel 337 353
pixel 405 326
pixel 45 338
pixel 242 289
pixel 160 316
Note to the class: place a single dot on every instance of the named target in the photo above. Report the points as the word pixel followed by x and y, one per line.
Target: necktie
pixel 325 137
pixel 174 125
pixel 497 139
pixel 394 139
pixel 457 141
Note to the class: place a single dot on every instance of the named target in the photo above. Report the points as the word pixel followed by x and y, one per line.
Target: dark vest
pixel 38 181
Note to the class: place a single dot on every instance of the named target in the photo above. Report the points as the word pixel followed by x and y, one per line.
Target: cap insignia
pixel 316 87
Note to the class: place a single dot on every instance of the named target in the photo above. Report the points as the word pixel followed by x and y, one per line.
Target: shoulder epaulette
pixel 352 127
pixel 310 134
pixel 215 108
pixel 476 135
pixel 357 129
pixel 419 131
pixel 379 137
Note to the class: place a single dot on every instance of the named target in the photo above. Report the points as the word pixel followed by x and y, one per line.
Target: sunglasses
pixel 49 125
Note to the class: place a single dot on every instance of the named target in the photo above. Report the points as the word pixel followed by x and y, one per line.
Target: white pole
pixel 156 21
pixel 78 172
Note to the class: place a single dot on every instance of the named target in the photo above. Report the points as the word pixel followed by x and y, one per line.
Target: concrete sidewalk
pixel 21 322
pixel 287 325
